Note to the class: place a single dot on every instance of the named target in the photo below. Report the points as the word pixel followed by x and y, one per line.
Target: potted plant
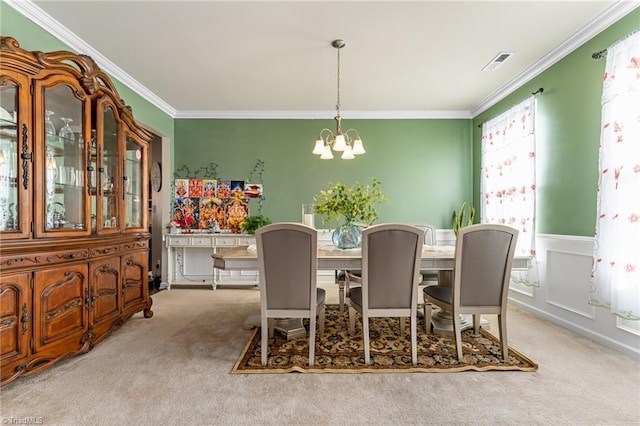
pixel 354 206
pixel 457 219
pixel 252 223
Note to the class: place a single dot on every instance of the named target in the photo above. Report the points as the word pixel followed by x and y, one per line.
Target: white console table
pixel 190 262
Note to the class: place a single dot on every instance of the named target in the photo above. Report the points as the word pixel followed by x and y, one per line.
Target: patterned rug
pixel 338 352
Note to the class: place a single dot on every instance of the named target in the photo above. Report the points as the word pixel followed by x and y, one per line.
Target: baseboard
pixel 596 337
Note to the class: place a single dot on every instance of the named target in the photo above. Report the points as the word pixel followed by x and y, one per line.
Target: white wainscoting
pixel 559 292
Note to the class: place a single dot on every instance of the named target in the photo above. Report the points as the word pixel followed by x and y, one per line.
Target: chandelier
pixel 347 142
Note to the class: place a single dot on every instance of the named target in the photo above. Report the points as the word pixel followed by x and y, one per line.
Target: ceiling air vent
pixel 497 61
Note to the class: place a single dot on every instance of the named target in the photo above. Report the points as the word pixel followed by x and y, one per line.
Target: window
pixel 508 180
pixel 616 266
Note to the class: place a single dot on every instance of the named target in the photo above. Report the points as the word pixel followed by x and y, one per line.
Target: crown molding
pixel 614 13
pixel 290 115
pixel 41 18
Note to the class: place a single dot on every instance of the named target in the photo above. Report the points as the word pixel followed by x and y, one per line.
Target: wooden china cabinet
pixel 73 217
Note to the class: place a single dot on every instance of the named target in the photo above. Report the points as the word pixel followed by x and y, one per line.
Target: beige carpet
pixel 174 369
pixel 337 351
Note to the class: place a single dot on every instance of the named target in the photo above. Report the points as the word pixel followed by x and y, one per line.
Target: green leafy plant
pixel 355 204
pixel 252 223
pixel 458 217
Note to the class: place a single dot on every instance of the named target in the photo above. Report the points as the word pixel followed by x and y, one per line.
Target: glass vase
pixel 347 236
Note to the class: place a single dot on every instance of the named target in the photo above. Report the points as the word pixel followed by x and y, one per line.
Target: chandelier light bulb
pixel 358 148
pixel 340 144
pixel 319 148
pixel 348 153
pixel 326 153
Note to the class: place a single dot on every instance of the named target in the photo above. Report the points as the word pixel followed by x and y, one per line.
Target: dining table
pixel 436 258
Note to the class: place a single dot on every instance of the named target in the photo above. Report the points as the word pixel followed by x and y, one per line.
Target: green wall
pixel 32 37
pixel 567 135
pixel 424 165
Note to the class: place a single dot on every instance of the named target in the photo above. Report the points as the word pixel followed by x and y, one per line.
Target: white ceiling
pixel 274 58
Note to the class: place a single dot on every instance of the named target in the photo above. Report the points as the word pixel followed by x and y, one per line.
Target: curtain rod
pixel 603 53
pixel 537 92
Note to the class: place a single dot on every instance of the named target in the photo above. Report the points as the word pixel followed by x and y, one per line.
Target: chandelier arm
pixel 347 138
pixel 324 132
pixel 352 131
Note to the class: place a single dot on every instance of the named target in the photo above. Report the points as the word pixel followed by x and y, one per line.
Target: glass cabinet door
pixel 65 160
pixel 134 183
pixel 14 185
pixel 107 217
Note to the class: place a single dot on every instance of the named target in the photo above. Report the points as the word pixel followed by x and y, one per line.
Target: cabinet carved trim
pixel 81 254
pixel 59 312
pixel 105 251
pixel 8 322
pixel 74 246
pixel 26 157
pixel 49 259
pixel 20 260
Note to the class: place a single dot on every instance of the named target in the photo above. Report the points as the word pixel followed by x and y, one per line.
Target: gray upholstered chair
pixel 429 232
pixel 288 264
pixel 390 275
pixel 345 279
pixel 428 277
pixel 483 258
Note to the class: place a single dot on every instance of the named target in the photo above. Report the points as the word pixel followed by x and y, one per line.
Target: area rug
pixel 339 352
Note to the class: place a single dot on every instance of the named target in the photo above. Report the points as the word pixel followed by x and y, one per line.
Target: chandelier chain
pixel 338 73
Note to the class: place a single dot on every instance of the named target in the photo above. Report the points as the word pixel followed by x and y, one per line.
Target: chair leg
pixel 502 323
pixel 264 346
pixel 312 341
pixel 402 324
pixel 365 334
pixel 346 290
pixel 340 292
pixel 352 320
pixel 476 323
pixel 414 340
pixel 321 318
pixel 458 336
pixel 271 326
pixel 428 307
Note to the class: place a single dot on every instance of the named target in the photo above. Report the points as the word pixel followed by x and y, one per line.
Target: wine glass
pixel 65 131
pixel 49 128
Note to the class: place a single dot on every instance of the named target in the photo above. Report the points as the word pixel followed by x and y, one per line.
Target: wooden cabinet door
pixel 16 150
pixel 62 113
pixel 104 294
pixel 135 184
pixel 15 318
pixel 135 289
pixel 60 308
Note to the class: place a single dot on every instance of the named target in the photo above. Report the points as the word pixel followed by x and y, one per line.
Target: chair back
pixel 429 233
pixel 391 266
pixel 484 254
pixel 288 263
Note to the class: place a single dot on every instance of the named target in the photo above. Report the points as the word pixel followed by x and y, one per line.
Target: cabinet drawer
pixel 226 241
pixel 246 241
pixel 178 241
pixel 202 241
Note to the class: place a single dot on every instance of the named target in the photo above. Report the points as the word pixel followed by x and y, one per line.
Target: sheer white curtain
pixel 616 266
pixel 509 173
